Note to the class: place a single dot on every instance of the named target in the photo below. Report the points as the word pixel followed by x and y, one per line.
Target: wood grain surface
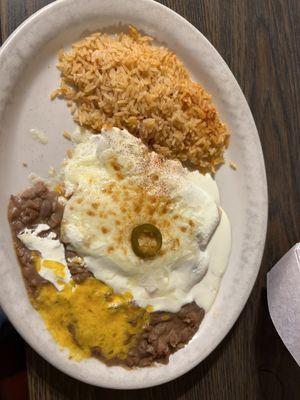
pixel 259 39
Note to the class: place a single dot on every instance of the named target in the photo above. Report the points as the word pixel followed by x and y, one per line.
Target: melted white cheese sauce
pixel 53 266
pixel 100 216
pixel 219 248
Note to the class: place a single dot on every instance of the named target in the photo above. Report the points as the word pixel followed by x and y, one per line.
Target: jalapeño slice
pixel 146 240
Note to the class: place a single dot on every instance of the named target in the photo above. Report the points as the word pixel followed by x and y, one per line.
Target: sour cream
pixel 50 263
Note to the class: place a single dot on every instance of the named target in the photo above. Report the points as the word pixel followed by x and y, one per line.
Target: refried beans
pixel 143 337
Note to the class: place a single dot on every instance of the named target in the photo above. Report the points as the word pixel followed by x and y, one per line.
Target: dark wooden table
pixel 258 40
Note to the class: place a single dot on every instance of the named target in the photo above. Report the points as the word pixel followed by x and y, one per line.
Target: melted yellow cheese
pixel 91 317
pixel 57 267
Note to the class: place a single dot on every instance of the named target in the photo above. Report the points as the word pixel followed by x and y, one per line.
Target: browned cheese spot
pixel 116 197
pixel 154 177
pixel 137 208
pixel 164 210
pixel 151 210
pixel 115 165
pixel 152 199
pixel 110 249
pixel 166 223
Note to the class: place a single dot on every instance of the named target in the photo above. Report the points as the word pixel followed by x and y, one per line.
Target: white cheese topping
pixel 53 266
pixel 105 176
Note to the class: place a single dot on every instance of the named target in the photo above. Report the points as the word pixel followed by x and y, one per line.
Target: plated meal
pixel 121 209
pixel 123 250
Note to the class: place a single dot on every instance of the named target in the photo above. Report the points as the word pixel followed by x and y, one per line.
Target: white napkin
pixel 283 288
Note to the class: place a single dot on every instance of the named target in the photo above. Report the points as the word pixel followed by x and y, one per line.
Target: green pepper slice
pixel 146 240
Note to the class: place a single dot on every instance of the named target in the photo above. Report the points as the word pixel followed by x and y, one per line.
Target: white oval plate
pixel 27 61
